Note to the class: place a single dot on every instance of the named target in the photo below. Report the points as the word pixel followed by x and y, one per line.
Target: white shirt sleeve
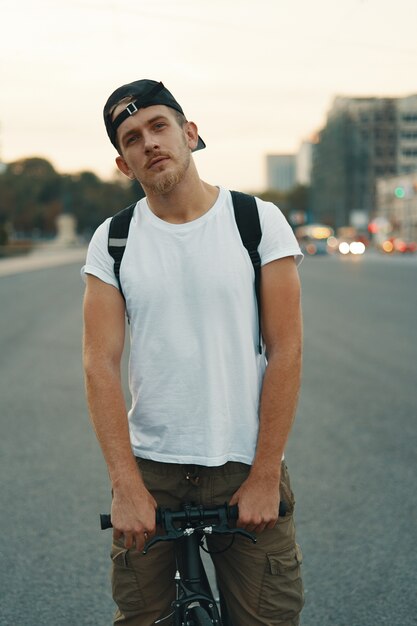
pixel 278 239
pixel 99 262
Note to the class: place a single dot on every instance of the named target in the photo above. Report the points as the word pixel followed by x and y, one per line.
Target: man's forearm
pixel 278 405
pixel 109 416
pixel 258 496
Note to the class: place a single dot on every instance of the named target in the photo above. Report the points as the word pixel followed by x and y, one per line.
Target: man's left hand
pixel 258 501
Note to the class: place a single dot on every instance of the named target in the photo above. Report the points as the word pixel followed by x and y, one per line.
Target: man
pixel 210 416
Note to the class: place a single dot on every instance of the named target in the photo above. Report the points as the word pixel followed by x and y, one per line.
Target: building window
pixel 409 135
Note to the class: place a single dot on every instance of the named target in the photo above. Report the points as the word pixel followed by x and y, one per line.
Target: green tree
pixel 33 194
pixel 296 199
pixel 30 194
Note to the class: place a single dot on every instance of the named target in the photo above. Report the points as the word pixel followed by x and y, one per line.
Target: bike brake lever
pixel 225 530
pixel 170 536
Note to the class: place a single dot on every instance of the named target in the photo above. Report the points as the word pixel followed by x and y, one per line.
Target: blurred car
pixel 313 238
pixel 319 246
pixel 349 241
pixel 398 245
pixel 352 247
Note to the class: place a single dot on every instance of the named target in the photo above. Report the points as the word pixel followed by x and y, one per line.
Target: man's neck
pixel 188 201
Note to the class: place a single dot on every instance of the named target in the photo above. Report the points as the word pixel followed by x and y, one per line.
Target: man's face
pixel 154 148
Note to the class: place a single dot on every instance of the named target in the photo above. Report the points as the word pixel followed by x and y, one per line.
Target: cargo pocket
pixel 282 596
pixel 126 589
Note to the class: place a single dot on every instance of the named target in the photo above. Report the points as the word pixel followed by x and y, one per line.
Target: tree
pixel 30 191
pixel 296 199
pixel 33 194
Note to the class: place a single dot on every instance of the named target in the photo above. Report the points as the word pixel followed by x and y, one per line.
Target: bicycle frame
pixel 192 586
pixel 193 589
pixel 194 604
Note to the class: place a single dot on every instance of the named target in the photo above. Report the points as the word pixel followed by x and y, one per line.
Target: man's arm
pixel 258 497
pixel 133 507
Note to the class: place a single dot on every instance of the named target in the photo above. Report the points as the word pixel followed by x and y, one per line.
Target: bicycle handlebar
pixel 193 514
pixel 194 519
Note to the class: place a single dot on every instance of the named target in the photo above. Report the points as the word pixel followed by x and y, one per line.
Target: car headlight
pixel 357 247
pixel 344 247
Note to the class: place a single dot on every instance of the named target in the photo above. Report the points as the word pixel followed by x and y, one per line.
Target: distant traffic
pixel 319 239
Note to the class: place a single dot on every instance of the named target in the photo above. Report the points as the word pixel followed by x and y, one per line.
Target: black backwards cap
pixel 146 93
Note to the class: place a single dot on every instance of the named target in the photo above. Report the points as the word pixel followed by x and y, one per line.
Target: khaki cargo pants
pixel 261 582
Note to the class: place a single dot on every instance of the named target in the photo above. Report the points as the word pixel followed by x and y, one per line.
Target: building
pixel 281 171
pixel 407 135
pixel 286 171
pixel 396 214
pixel 364 139
pixel 303 163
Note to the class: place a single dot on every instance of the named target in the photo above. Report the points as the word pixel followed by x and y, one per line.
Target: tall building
pixel 407 135
pixel 364 139
pixel 304 163
pixel 281 171
pixel 396 199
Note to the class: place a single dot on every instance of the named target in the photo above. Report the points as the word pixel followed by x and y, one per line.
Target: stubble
pixel 167 181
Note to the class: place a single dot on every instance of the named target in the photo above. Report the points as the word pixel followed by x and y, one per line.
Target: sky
pixel 257 77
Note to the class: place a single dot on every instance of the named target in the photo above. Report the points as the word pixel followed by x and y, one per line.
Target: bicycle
pixel 194 603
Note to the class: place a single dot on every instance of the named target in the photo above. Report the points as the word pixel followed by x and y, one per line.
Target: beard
pixel 167 181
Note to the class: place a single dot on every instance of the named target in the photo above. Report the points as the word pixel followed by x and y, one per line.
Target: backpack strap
pixel 118 232
pixel 247 220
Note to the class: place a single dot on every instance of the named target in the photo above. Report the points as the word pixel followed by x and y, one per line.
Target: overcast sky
pixel 257 77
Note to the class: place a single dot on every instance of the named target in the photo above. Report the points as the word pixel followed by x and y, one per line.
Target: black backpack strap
pixel 247 220
pixel 118 232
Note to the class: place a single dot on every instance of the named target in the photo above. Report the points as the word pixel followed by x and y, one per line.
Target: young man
pixel 210 416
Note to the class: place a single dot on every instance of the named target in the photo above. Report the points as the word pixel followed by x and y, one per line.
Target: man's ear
pixel 191 132
pixel 124 168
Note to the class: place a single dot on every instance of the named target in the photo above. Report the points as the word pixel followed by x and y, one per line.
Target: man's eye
pixel 131 139
pixel 159 125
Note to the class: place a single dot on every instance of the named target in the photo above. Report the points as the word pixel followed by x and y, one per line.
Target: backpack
pixel 247 220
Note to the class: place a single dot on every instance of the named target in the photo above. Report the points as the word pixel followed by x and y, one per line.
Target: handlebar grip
pixel 158 516
pixel 105 521
pixel 282 508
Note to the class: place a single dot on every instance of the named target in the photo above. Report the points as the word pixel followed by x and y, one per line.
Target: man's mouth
pixel 156 161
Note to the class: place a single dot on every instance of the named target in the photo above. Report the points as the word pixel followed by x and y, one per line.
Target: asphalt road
pixel 352 453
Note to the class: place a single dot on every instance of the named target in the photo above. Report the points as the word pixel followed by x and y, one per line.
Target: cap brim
pixel 200 144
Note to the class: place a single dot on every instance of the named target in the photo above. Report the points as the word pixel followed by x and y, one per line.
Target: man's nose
pixel 150 142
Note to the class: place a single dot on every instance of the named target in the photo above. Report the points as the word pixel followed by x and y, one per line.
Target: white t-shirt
pixel 195 373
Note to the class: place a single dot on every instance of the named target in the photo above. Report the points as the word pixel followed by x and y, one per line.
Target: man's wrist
pixel 126 478
pixel 266 472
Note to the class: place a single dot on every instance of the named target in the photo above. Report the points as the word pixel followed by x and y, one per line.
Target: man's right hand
pixel 133 515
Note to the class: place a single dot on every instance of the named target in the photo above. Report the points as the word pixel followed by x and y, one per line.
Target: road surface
pixel 352 453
